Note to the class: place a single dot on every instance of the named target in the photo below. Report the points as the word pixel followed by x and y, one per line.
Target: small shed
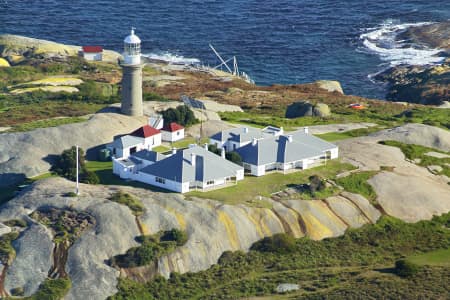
pixel 94 53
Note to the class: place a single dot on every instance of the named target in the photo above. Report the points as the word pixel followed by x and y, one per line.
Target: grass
pixel 414 152
pixel 7 252
pixel 103 169
pixel 46 123
pixel 161 149
pixel 357 183
pixel 251 187
pixel 337 136
pixel 358 264
pixel 434 258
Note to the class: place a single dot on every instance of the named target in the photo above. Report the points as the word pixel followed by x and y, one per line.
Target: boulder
pixel 299 109
pixel 330 85
pixel 306 109
pixel 4 63
pixel 321 110
pixel 286 287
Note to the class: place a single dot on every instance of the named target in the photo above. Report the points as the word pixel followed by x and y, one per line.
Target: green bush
pixel 18 291
pixel 176 235
pixel 281 243
pixel 182 115
pixel 405 268
pixel 52 289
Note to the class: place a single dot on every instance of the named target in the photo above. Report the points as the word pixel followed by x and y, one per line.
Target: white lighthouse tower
pixel 132 76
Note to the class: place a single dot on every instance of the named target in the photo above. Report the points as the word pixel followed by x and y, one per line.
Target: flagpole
pixel 77 188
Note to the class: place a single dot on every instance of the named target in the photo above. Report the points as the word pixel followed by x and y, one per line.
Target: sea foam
pixel 383 40
pixel 172 58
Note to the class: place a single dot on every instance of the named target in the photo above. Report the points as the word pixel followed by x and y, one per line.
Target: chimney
pixel 222 153
pixel 193 159
pixel 306 130
pixel 206 146
pixel 254 141
pixel 174 151
pixel 289 138
pixel 245 129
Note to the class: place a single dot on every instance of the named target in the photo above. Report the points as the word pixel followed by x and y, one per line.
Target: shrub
pixel 316 184
pixel 66 166
pixel 18 291
pixel 279 243
pixel 234 157
pixel 52 289
pixel 176 235
pixel 126 199
pixel 16 223
pixel 405 268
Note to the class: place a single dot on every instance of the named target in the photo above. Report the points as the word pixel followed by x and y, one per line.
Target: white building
pixel 143 138
pixel 172 132
pixel 297 150
pixel 232 139
pixel 93 53
pixel 183 171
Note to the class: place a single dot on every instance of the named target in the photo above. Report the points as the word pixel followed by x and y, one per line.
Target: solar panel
pixel 192 102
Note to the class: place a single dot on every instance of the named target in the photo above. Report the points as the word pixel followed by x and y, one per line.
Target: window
pixel 160 180
pixel 210 182
pixel 178 133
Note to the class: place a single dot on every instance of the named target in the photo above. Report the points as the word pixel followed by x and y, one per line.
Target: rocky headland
pixel 422 84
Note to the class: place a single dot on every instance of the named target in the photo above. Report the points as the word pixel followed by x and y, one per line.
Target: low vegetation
pixel 249 189
pixel 417 154
pixel 7 252
pixel 359 263
pixel 357 183
pixel 152 247
pixel 52 289
pixel 132 202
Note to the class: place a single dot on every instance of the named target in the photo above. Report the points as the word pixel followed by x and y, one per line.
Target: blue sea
pixel 285 41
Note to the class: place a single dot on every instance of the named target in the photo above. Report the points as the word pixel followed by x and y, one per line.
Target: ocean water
pixel 285 41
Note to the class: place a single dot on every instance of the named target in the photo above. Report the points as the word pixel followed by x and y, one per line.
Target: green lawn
pixel 103 169
pixel 251 187
pixel 433 258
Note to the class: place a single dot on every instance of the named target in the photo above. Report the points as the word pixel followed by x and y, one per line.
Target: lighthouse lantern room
pixel 132 49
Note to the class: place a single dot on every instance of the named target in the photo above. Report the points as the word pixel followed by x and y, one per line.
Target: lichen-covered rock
pixel 370 212
pixel 321 110
pixel 4 63
pixel 28 153
pixel 4 229
pixel 330 85
pixel 349 213
pixel 286 287
pixel 33 260
pixel 299 109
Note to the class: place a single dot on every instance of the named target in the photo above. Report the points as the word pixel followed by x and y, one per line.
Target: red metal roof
pixel 145 131
pixel 92 49
pixel 172 127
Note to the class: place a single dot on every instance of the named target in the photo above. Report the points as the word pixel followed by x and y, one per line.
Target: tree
pixel 405 268
pixel 66 166
pixel 182 115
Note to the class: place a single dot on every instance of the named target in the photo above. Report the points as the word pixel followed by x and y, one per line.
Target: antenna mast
pixel 77 190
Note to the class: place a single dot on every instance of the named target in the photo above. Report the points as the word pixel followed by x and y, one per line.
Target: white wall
pixel 258 170
pixel 152 141
pixel 93 56
pixel 168 185
pixel 172 136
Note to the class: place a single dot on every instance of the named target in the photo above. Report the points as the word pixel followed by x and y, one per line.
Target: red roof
pixel 172 127
pixel 145 131
pixel 92 49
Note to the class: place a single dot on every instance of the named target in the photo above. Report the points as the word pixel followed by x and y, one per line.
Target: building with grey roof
pixel 298 149
pixel 234 138
pixel 185 170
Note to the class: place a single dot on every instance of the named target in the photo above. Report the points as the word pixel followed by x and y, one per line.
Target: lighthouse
pixel 132 76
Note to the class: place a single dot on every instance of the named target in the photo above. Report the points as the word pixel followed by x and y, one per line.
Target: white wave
pixel 172 58
pixel 383 41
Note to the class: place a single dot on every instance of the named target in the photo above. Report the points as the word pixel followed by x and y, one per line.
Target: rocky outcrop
pixel 4 62
pixel 330 86
pixel 435 35
pixel 33 260
pixel 30 153
pixel 422 84
pixel 14 48
pixel 418 84
pixel 212 228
